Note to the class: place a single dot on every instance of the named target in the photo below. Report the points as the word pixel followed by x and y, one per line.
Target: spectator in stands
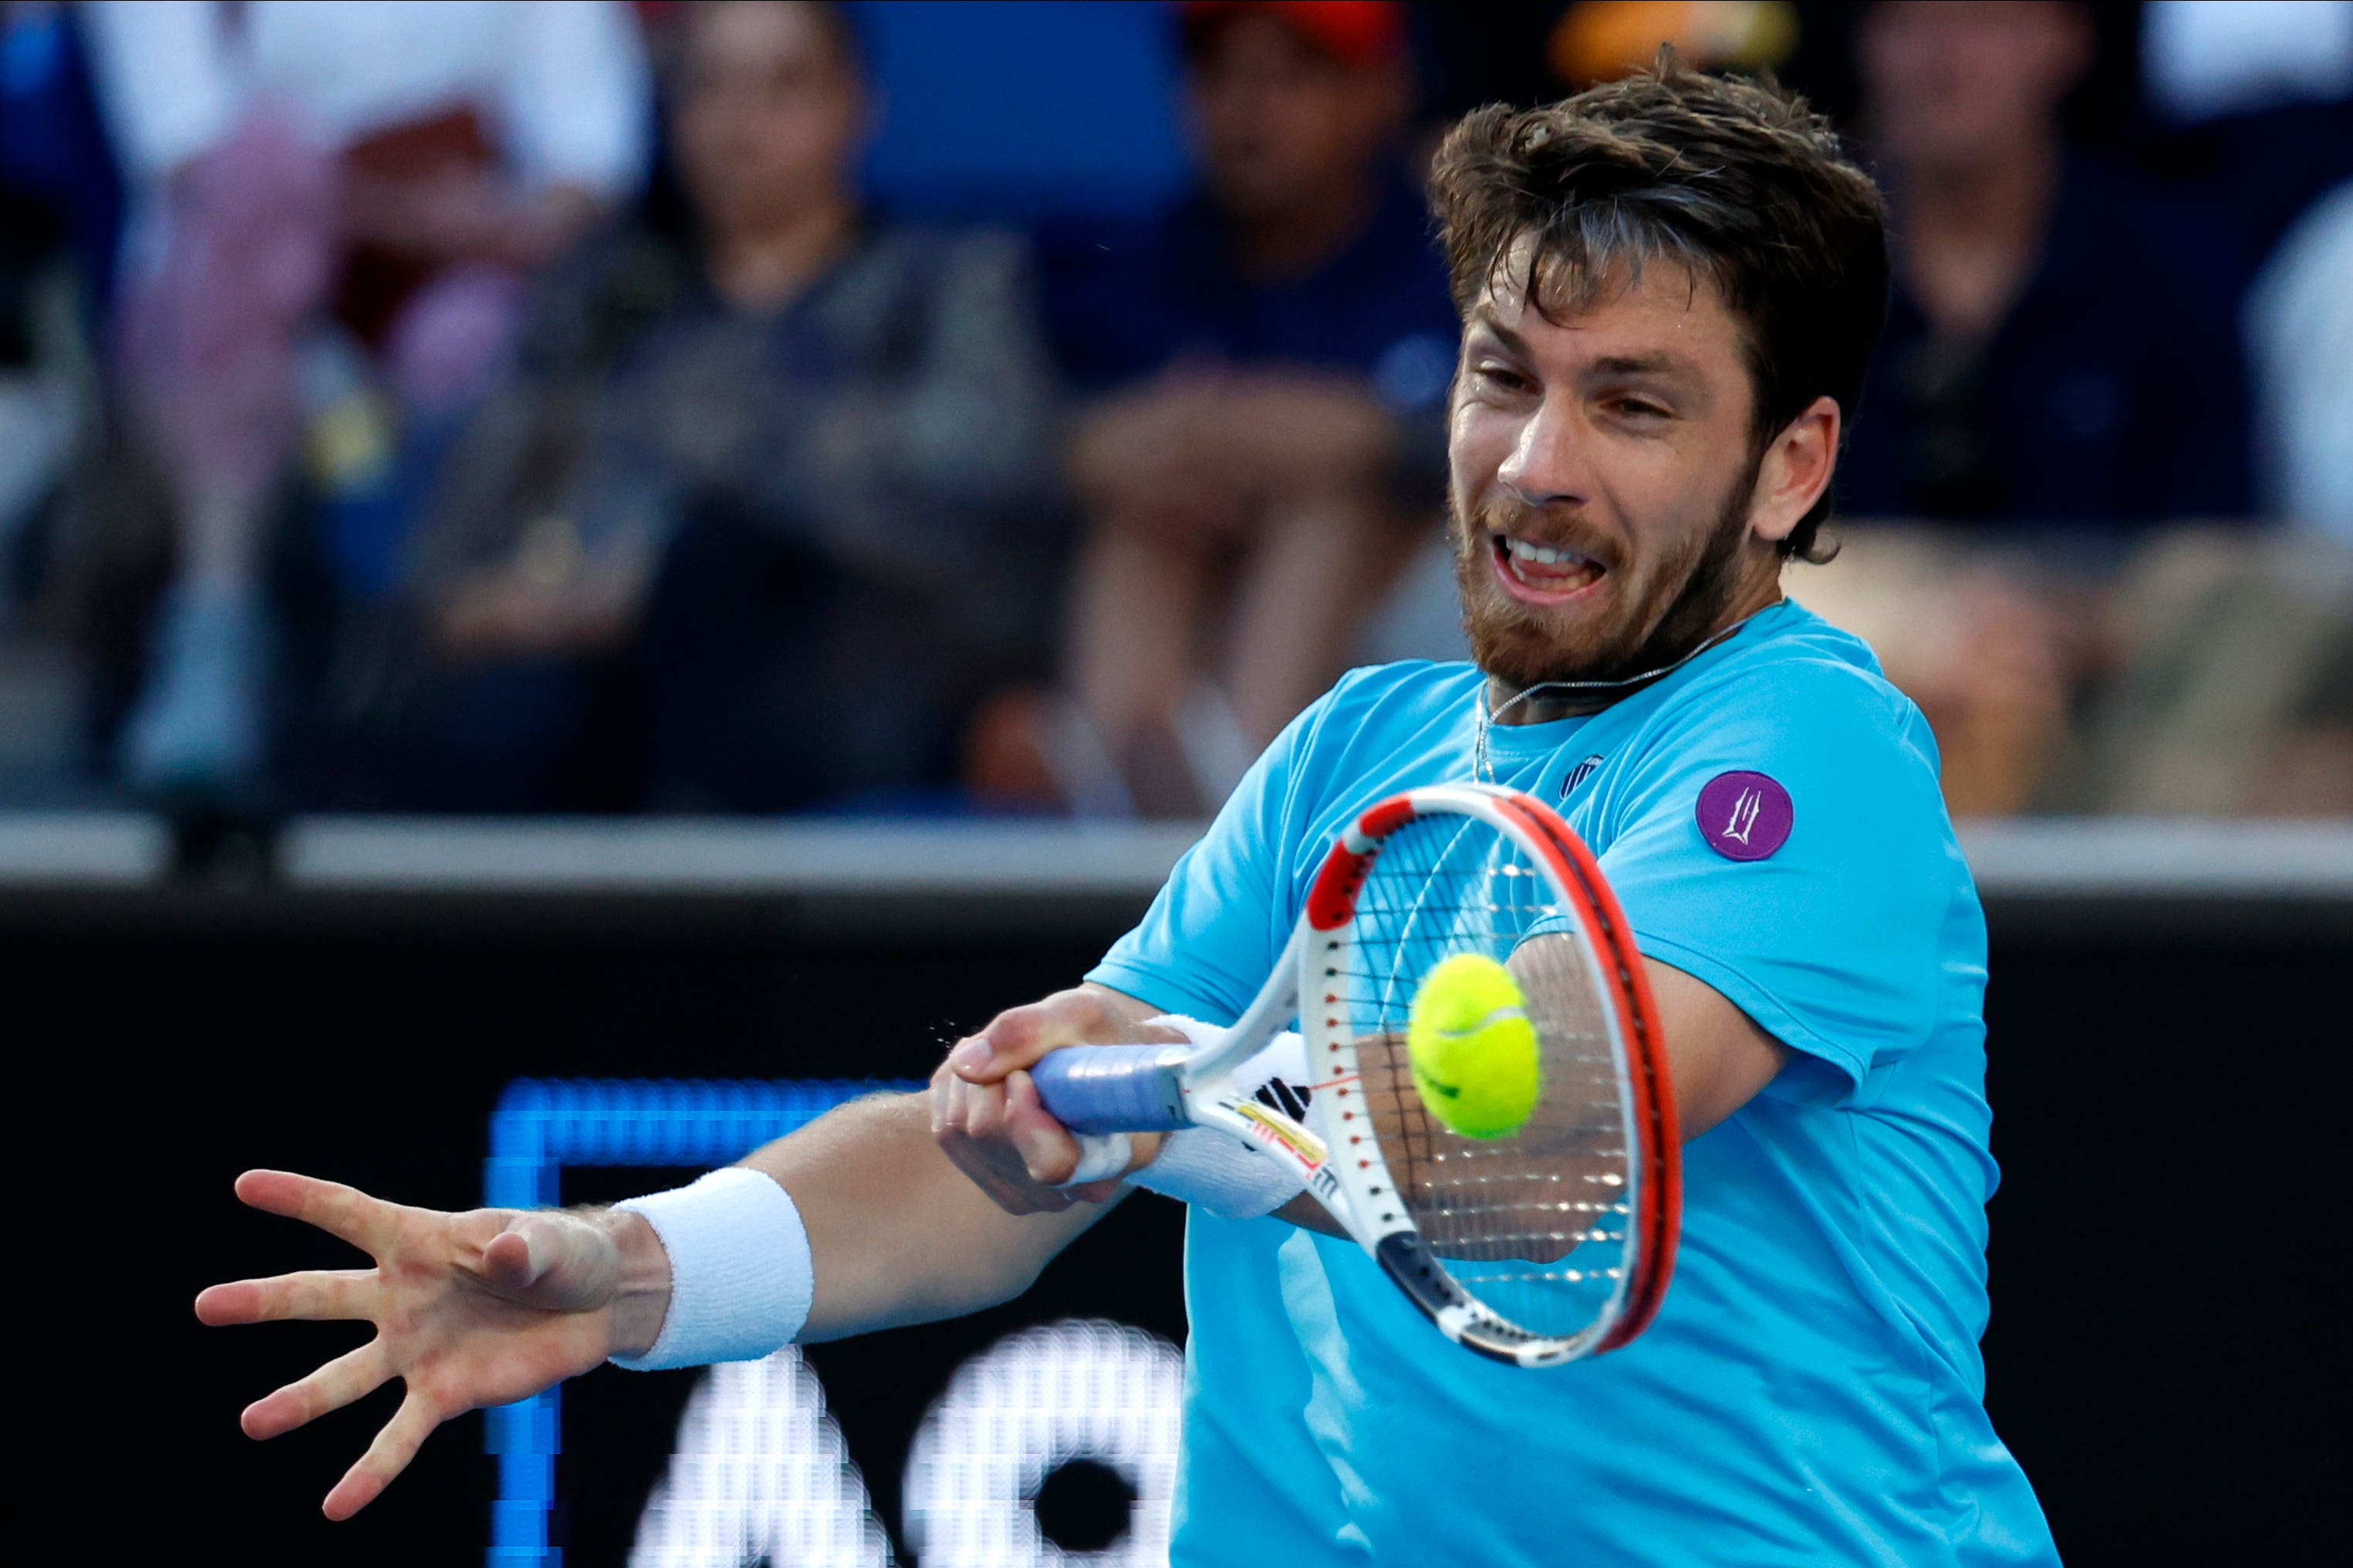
pixel 2300 343
pixel 2059 348
pixel 338 208
pixel 765 487
pixel 59 205
pixel 1268 368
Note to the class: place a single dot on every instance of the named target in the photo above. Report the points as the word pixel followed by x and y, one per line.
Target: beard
pixel 1647 625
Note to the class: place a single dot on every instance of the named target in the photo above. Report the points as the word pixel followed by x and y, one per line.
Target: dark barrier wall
pixel 2164 1102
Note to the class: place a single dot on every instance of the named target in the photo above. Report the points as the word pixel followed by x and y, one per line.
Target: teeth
pixel 1543 555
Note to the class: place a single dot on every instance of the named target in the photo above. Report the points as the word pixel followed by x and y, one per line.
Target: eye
pixel 1500 376
pixel 1637 408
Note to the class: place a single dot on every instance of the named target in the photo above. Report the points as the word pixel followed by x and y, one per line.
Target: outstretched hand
pixel 470 1310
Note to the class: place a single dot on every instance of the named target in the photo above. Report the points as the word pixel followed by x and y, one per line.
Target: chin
pixel 1520 653
pixel 1519 646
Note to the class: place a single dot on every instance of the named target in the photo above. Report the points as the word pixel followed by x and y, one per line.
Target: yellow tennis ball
pixel 1473 1047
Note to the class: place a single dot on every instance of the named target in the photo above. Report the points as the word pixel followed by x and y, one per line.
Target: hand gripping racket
pixel 1552 1242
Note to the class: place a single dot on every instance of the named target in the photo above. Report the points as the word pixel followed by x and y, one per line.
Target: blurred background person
pixel 2053 356
pixel 314 566
pixel 2300 345
pixel 2060 344
pixel 60 215
pixel 1265 369
pixel 336 209
pixel 752 528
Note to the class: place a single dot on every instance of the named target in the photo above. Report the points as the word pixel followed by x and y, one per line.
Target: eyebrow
pixel 1643 364
pixel 1483 320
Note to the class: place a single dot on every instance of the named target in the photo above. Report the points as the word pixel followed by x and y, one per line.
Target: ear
pixel 1795 471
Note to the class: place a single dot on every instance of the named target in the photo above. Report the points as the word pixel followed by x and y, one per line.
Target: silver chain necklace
pixel 1483 767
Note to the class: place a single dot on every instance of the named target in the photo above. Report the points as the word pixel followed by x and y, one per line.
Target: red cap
pixel 1354 32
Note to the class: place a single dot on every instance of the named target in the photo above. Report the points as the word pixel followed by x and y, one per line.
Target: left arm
pixel 1717 1057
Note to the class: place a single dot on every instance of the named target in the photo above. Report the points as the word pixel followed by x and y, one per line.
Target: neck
pixel 1300 239
pixel 1971 234
pixel 1541 703
pixel 760 267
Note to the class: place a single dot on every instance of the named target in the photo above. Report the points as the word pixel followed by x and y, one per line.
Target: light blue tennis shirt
pixel 1811 1392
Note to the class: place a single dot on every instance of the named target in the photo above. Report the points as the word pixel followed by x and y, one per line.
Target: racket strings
pixel 1533 1223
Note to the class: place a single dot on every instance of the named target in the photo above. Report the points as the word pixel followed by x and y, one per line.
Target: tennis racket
pixel 1551 1243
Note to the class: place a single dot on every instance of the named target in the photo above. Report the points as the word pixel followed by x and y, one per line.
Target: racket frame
pixel 1355 1186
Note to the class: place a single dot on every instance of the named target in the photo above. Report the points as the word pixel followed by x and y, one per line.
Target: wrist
pixel 641 1295
pixel 740 1276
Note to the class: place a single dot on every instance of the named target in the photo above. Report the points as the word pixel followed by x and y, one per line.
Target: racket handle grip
pixel 1113 1089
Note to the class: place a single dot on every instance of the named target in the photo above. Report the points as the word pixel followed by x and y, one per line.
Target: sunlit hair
pixel 1738 182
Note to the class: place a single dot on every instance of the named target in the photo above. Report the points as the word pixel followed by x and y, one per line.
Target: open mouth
pixel 1541 573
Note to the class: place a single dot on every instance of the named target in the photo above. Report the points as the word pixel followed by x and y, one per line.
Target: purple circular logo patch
pixel 1745 815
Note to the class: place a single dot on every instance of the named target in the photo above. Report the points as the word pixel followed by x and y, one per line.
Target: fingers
pixel 339 1211
pixel 509 1264
pixel 338 1294
pixel 385 1459
pixel 947 1103
pixel 967 1122
pixel 1049 1153
pixel 353 1375
pixel 559 1261
pixel 1018 1037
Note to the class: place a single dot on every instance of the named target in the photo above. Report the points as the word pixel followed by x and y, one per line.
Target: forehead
pixel 1625 309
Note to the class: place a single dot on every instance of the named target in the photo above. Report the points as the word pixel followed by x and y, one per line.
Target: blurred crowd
pixel 766 405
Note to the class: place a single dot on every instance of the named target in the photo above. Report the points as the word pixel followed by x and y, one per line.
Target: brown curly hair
pixel 1737 180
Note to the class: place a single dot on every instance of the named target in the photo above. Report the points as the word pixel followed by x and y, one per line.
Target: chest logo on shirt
pixel 1745 815
pixel 1580 774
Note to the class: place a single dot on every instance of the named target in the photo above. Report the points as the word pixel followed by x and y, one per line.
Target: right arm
pixel 493 1305
pixel 897 1233
pixel 916 1207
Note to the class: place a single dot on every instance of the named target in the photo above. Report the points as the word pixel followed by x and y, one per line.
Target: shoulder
pixel 1805 679
pixel 927 253
pixel 2107 208
pixel 1807 705
pixel 1386 705
pixel 1367 734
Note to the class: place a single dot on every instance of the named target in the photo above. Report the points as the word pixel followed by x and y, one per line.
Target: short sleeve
pixel 1785 841
pixel 1218 927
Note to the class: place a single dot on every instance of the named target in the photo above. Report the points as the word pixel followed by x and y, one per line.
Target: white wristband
pixel 1102 1155
pixel 1212 1171
pixel 740 1274
pixel 1218 1174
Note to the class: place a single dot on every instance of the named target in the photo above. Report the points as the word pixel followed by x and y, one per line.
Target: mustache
pixel 1560 527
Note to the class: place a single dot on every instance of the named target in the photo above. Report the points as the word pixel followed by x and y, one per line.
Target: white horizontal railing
pixel 725 856
pixel 83 850
pixel 2090 857
pixel 2198 858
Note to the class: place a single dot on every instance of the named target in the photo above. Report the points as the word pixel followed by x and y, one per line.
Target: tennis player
pixel 1669 286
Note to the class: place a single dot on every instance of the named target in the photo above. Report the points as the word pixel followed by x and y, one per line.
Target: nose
pixel 1548 463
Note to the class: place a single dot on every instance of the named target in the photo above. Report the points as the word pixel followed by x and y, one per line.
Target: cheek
pixel 1477 441
pixel 1664 515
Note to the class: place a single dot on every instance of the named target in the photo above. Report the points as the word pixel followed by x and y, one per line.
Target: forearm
pixel 897 1234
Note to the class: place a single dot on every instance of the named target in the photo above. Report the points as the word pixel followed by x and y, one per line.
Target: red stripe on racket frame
pixel 1660 1216
pixel 1331 900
